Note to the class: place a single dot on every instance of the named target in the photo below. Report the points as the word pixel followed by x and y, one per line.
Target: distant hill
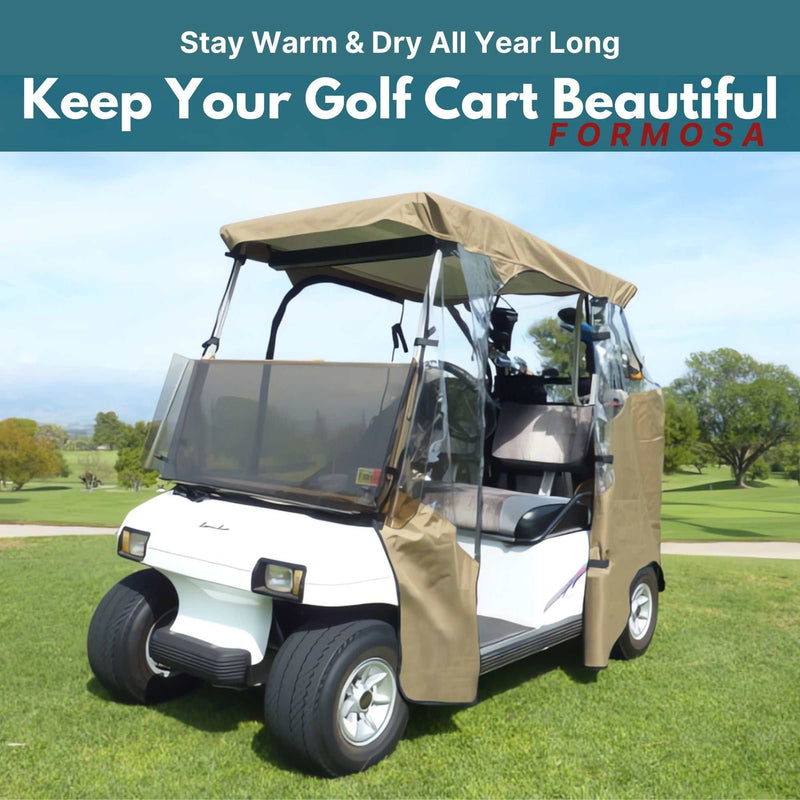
pixel 79 431
pixel 74 404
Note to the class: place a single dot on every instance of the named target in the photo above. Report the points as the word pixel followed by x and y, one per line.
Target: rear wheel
pixel 641 625
pixel 119 635
pixel 332 698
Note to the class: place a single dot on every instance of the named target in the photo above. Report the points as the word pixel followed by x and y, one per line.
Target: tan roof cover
pixel 512 250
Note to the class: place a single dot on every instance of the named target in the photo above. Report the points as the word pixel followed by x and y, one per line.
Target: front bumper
pixel 220 666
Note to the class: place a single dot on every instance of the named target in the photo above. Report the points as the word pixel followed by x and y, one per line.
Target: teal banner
pixel 201 77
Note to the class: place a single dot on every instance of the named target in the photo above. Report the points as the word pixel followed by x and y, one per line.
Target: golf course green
pixel 707 507
pixel 710 711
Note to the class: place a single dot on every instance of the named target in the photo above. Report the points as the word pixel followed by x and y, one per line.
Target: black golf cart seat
pixel 516 517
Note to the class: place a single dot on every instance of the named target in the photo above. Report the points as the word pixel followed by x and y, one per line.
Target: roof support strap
pixel 576 348
pixel 211 345
pixel 425 331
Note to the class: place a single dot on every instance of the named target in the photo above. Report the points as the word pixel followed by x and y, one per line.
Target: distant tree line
pixel 29 450
pixel 128 440
pixel 726 409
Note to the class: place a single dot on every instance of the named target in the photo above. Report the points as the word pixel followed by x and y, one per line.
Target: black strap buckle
pixel 398 338
pixel 211 340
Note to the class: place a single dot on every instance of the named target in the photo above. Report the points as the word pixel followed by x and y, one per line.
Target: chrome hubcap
pixel 641 611
pixel 367 701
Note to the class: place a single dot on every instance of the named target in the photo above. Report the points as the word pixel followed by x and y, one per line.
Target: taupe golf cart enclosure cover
pixel 436 445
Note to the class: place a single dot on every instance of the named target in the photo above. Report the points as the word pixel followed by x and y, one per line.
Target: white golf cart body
pixel 480 517
pixel 530 588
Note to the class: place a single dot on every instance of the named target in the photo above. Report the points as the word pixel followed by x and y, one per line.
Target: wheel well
pixel 662 584
pixel 656 567
pixel 288 617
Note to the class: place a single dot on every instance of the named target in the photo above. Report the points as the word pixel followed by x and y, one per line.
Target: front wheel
pixel 119 635
pixel 641 625
pixel 332 698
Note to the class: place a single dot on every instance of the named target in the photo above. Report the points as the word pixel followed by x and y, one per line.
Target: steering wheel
pixel 462 420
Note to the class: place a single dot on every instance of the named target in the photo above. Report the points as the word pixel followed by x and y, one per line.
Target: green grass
pixel 63 504
pixel 704 507
pixel 710 507
pixel 64 501
pixel 712 710
pixel 80 460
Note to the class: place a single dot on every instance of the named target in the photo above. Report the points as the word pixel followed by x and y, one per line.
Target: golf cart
pixel 358 536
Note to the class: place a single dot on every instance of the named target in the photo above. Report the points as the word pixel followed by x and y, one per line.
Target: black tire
pixel 630 644
pixel 306 682
pixel 118 636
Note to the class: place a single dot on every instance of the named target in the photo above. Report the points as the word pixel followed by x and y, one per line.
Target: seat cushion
pixel 542 436
pixel 513 515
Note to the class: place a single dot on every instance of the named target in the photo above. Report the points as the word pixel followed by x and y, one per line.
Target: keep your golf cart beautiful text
pixel 445 98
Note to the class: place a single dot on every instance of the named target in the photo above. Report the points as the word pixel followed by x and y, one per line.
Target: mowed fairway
pixel 64 501
pixel 62 504
pixel 711 711
pixel 704 507
pixel 710 507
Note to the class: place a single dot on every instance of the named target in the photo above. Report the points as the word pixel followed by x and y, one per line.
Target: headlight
pixel 278 579
pixel 132 544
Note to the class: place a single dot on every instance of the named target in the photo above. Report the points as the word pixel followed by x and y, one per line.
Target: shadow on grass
pixel 722 533
pixel 263 745
pixel 437 720
pixel 567 657
pixel 721 486
pixel 215 710
pixel 9 500
pixel 749 510
pixel 207 709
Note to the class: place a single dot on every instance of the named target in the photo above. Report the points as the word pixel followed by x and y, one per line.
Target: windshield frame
pixel 186 434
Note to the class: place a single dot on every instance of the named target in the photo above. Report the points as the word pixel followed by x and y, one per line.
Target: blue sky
pixel 109 263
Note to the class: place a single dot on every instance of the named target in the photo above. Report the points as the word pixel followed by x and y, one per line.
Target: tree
pixel 759 471
pixel 134 435
pixel 555 345
pixel 23 456
pixel 130 471
pixel 681 432
pixel 29 426
pixel 786 458
pixel 744 407
pixel 54 434
pixel 81 443
pixel 109 430
pixel 701 456
pixel 64 470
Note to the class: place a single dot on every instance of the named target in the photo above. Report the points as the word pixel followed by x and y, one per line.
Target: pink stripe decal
pixel 561 592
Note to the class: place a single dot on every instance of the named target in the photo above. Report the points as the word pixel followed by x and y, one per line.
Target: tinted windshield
pixel 316 433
